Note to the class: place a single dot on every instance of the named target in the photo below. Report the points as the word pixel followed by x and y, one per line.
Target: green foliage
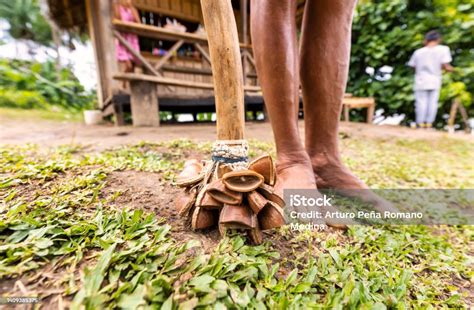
pixel 25 21
pixel 386 33
pixel 40 80
pixel 23 99
pixel 61 226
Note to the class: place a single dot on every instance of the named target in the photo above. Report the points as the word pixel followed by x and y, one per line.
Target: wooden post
pixel 92 28
pixel 243 11
pixel 144 104
pixel 100 30
pixel 226 68
pixel 346 112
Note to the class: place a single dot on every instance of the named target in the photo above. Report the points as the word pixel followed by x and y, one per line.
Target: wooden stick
pixel 135 53
pixel 138 55
pixel 243 11
pixel 203 52
pixel 226 66
pixel 250 58
pixel 452 113
pixel 169 54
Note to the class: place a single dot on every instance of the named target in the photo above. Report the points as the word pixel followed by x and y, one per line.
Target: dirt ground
pixel 51 133
pixel 149 191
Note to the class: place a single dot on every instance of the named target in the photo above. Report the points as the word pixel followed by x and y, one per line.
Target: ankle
pixel 292 158
pixel 324 158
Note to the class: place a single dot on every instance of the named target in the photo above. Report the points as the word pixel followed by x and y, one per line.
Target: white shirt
pixel 428 62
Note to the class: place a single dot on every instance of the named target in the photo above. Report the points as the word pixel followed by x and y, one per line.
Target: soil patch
pixel 147 190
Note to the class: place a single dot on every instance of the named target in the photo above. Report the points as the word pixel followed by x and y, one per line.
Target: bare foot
pixel 295 172
pixel 331 173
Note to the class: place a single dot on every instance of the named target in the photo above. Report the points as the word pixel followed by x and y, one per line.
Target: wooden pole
pixel 244 18
pixel 226 66
pixel 101 78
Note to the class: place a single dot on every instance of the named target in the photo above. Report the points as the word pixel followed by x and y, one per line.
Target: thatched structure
pixel 179 71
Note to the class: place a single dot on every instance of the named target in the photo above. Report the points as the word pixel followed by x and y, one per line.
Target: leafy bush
pixel 386 33
pixel 64 90
pixel 23 99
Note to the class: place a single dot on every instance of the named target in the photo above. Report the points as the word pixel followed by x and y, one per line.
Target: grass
pixel 52 114
pixel 64 237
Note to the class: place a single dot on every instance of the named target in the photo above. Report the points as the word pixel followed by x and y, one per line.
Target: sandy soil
pixel 51 133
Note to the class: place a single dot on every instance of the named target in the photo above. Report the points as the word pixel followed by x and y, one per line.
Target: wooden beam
pixel 177 69
pixel 101 78
pixel 203 52
pixel 173 82
pixel 162 33
pixel 250 58
pixel 135 53
pixel 160 10
pixel 201 71
pixel 165 58
pixel 103 11
pixel 244 17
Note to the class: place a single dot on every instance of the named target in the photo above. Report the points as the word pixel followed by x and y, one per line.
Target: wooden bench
pixel 356 102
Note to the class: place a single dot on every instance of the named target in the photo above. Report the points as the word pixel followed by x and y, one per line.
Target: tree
pixel 385 34
pixel 26 21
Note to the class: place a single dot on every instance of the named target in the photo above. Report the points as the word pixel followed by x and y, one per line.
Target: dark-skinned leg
pixel 273 31
pixel 325 53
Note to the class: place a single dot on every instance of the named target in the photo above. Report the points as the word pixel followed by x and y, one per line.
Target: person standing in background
pixel 429 62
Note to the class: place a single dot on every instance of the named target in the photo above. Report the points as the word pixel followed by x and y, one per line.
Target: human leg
pixel 273 29
pixel 421 106
pixel 325 52
pixel 432 106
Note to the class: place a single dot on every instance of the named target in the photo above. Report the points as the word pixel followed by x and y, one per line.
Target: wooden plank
pixel 135 53
pixel 101 83
pixel 162 33
pixel 144 104
pixel 250 58
pixel 104 15
pixel 165 10
pixel 99 23
pixel 171 81
pixel 203 52
pixel 165 58
pixel 196 71
pixel 244 17
pixel 356 102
